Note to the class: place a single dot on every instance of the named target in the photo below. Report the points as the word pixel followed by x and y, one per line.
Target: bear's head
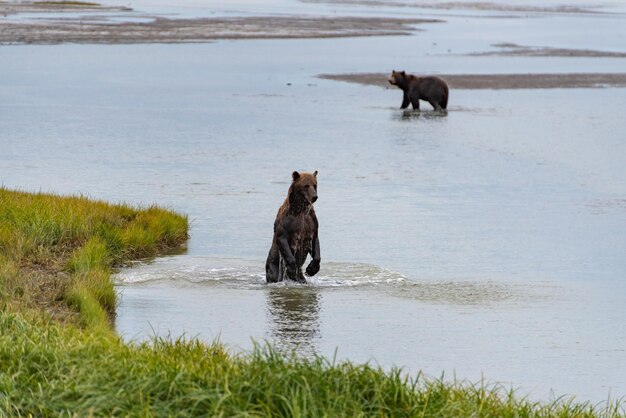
pixel 398 78
pixel 303 189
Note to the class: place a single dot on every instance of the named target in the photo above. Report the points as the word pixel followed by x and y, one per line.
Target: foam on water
pixel 248 274
pixel 195 270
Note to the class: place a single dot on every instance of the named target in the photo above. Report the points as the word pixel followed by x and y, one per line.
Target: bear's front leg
pixel 287 270
pixel 300 277
pixel 286 254
pixel 405 101
pixel 313 268
pixel 292 271
pixel 314 265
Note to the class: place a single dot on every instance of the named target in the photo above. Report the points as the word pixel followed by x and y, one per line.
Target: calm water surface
pixel 488 242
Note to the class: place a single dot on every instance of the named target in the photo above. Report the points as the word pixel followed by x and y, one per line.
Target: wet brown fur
pixel 295 233
pixel 431 89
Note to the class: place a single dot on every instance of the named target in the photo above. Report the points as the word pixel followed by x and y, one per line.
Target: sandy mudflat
pixel 14 7
pixel 468 5
pixel 501 81
pixel 510 49
pixel 105 25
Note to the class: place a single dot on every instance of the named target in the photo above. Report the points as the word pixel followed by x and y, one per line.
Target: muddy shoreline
pixel 93 24
pixel 12 7
pixel 499 81
pixel 469 5
pixel 515 50
pixel 162 30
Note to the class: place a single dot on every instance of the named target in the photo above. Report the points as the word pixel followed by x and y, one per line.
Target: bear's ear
pixel 315 174
pixel 403 73
pixel 295 175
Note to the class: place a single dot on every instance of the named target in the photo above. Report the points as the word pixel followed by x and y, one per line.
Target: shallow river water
pixel 488 242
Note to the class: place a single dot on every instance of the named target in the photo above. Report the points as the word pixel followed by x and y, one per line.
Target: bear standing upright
pixel 295 233
pixel 431 89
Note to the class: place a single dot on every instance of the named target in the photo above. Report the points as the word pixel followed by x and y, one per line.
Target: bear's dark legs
pixel 313 268
pixel 416 104
pixel 435 105
pixel 300 277
pixel 277 270
pixel 282 270
pixel 271 273
pixel 272 265
pixel 282 274
pixel 405 101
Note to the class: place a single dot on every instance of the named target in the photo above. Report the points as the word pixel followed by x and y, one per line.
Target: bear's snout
pixel 314 199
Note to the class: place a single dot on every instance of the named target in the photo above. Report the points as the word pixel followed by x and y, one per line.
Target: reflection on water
pixel 408 114
pixel 293 318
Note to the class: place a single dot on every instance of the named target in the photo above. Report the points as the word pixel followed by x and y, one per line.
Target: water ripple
pixel 247 274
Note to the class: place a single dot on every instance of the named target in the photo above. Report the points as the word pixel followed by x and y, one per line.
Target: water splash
pixel 247 274
pixel 192 270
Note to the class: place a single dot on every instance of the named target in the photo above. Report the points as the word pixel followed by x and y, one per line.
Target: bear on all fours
pixel 431 89
pixel 295 233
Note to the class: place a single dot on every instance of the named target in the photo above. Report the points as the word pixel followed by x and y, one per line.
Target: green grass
pixel 60 358
pixel 56 371
pixel 57 253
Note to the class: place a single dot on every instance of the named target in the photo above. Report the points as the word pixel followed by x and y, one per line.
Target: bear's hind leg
pixel 435 105
pixel 271 273
pixel 271 267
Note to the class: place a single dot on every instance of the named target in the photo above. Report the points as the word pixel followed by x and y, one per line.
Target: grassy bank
pixel 49 370
pixel 57 253
pixel 59 357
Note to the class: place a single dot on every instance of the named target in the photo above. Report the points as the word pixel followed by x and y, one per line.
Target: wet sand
pixel 91 23
pixel 12 7
pixel 500 81
pixel 467 5
pixel 514 50
pixel 100 25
